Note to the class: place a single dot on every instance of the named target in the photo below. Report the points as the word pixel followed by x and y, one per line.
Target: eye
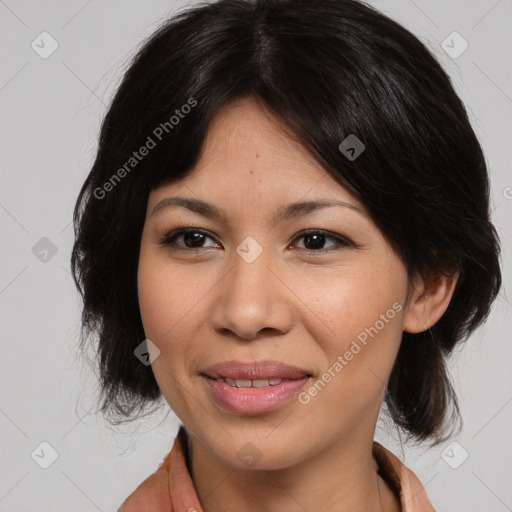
pixel 191 238
pixel 315 239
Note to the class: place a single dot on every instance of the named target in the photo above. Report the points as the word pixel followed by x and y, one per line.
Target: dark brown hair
pixel 327 69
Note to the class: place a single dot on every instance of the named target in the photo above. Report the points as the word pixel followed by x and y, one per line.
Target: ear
pixel 428 301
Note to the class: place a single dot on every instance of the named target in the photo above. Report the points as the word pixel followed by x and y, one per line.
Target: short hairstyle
pixel 326 69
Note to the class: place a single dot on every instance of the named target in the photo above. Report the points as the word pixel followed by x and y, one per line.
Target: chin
pixel 256 452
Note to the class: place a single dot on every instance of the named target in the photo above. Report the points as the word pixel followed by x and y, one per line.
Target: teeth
pixel 243 383
pixel 248 383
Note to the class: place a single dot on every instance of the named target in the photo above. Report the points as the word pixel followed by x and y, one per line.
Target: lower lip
pixel 254 400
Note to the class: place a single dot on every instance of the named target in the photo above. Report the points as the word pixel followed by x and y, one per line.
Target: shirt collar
pixel 171 489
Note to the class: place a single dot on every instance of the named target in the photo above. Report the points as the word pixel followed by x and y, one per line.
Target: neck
pixel 343 477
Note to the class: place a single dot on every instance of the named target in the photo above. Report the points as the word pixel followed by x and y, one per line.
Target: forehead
pixel 244 137
pixel 250 155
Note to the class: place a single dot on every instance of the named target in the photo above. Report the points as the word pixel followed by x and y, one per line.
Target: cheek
pixel 168 306
pixel 161 304
pixel 361 315
pixel 174 307
pixel 345 304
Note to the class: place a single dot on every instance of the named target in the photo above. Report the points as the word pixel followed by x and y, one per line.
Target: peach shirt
pixel 171 489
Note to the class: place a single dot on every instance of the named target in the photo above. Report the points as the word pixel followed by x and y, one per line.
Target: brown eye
pixel 191 238
pixel 315 240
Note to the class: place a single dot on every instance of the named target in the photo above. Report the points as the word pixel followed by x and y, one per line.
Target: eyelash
pixel 169 240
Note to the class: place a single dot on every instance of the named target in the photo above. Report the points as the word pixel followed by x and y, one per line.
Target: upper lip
pixel 254 370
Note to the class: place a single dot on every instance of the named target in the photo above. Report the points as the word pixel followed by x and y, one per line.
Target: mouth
pixel 253 388
pixel 255 373
pixel 251 383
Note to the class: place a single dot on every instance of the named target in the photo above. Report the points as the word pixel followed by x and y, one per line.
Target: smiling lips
pixel 253 388
pixel 250 383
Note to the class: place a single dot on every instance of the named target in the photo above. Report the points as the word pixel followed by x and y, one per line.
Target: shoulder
pixel 402 481
pixel 152 495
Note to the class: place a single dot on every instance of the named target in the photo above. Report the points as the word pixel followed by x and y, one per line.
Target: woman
pixel 287 223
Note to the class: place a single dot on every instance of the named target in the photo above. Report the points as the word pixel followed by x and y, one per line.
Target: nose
pixel 252 300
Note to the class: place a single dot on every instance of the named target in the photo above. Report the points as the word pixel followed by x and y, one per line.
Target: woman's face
pixel 249 285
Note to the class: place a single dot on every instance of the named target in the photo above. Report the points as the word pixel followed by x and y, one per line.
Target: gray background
pixel 51 111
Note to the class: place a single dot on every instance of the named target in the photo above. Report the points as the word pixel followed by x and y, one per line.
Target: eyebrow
pixel 288 211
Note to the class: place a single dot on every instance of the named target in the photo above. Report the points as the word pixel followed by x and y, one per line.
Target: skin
pixel 206 304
